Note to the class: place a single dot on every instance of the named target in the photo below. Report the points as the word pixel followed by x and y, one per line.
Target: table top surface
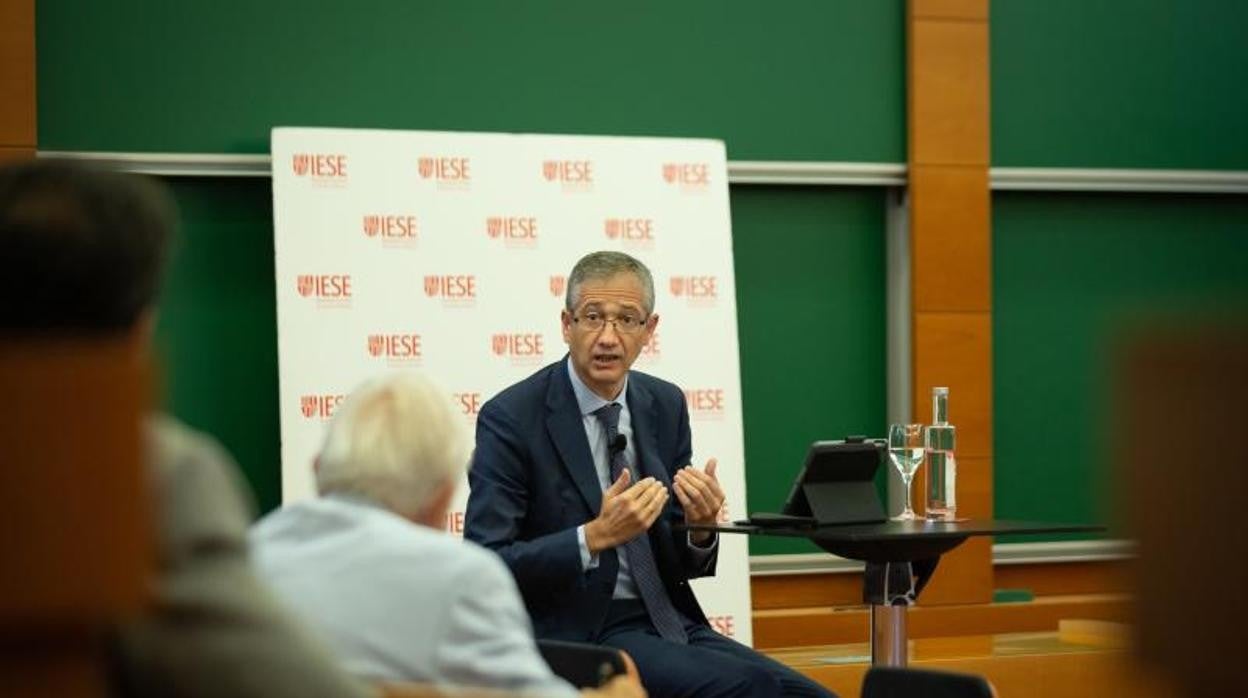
pixel 907 530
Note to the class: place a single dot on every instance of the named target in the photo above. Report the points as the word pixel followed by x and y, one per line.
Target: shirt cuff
pixel 588 562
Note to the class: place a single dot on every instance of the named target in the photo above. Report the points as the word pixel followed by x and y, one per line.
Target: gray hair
pixel 604 265
pixel 395 441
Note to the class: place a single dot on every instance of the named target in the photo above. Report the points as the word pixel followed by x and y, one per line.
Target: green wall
pixel 776 81
pixel 217 327
pixel 1074 274
pixel 811 326
pixel 1103 84
pixel 1120 83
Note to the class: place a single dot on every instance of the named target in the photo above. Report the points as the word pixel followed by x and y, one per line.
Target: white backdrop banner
pixel 448 253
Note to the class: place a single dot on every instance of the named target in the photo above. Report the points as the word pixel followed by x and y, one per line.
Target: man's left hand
pixel 700 496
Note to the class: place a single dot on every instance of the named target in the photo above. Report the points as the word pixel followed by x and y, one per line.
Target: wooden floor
pixel 1019 665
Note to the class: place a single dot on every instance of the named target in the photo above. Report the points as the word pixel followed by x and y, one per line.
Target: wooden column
pixel 17 79
pixel 948 120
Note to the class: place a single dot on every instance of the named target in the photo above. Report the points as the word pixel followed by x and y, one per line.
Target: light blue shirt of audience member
pixel 398 601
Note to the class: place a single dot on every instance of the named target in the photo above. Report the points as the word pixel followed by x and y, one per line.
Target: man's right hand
pixel 627 512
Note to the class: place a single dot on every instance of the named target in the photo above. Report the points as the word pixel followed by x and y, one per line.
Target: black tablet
pixel 836 484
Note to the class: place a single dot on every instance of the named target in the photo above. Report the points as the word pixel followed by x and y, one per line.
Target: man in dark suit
pixel 570 484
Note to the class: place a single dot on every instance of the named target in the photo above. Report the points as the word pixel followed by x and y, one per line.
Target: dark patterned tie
pixel 641 563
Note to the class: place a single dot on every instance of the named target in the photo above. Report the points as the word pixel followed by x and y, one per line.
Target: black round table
pixel 891 550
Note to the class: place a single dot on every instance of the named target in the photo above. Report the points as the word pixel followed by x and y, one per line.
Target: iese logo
pixel 323 168
pixel 520 347
pixel 690 176
pixel 574 175
pixel 724 625
pixel 698 290
pixel 448 172
pixel 393 230
pixel 453 289
pixel 705 403
pixel 320 406
pixel 329 290
pixel 396 348
pixel 557 285
pixel 468 404
pixel 455 523
pixel 515 231
pixel 637 232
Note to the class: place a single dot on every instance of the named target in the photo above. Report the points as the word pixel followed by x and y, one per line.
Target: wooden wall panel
pixel 17 73
pixel 808 592
pixel 948 125
pixel 805 590
pixel 1092 577
pixel 837 626
pixel 955 350
pixel 952 238
pixel 962 576
pixel 949 9
pixel 948 92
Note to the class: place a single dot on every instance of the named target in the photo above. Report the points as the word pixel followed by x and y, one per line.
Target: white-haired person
pixel 368 563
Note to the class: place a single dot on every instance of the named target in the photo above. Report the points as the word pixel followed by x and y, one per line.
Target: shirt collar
pixel 587 400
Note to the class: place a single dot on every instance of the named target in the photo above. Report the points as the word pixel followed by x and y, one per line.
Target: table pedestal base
pixel 890 588
pixel 888 635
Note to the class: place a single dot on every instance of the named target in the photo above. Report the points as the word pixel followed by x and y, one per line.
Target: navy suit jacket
pixel 533 483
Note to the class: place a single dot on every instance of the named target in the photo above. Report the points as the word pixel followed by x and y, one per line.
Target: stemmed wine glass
pixel 905 450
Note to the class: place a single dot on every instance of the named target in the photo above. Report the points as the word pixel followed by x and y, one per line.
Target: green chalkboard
pixel 217 324
pixel 811 323
pixel 810 279
pixel 1119 83
pixel 788 81
pixel 1072 275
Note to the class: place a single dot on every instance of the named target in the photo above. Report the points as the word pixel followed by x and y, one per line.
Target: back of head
pixel 84 249
pixel 395 441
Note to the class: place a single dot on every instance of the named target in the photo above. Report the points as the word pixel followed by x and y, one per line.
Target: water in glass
pixel 905 450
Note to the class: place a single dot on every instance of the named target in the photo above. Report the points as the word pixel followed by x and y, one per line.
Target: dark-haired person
pixel 84 253
pixel 572 483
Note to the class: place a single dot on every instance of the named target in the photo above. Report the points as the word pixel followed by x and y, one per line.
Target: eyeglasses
pixel 594 321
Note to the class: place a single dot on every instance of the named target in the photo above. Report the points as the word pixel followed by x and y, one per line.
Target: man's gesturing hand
pixel 700 495
pixel 626 512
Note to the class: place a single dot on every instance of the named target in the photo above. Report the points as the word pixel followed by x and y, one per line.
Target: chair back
pixel 897 682
pixel 75 527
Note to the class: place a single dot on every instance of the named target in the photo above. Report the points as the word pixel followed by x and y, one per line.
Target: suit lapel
pixel 567 430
